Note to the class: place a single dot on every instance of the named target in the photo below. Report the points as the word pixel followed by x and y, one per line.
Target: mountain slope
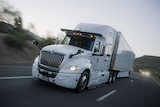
pixel 15 44
pixel 11 55
pixel 151 63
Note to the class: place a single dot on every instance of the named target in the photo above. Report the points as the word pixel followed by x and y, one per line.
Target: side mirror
pixel 78 52
pixel 36 43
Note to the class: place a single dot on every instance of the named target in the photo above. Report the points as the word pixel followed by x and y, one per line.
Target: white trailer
pixel 90 55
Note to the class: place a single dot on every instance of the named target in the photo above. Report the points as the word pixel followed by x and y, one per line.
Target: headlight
pixel 147 74
pixel 73 68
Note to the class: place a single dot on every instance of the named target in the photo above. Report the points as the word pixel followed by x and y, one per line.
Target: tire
pixel 83 82
pixel 112 77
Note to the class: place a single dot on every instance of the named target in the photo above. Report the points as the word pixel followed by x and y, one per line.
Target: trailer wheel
pixel 83 81
pixel 112 77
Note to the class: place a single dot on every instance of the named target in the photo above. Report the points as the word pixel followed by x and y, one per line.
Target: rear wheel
pixel 112 77
pixel 109 78
pixel 83 81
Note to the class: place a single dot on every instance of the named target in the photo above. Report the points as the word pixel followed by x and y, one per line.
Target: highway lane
pixel 136 91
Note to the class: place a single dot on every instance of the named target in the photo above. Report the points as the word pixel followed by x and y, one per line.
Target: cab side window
pixel 97 47
pixel 66 40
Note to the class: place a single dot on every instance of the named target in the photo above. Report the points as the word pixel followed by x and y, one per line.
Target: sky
pixel 138 20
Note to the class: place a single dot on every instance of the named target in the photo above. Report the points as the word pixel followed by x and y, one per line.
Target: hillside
pixel 15 45
pixel 151 63
pixel 11 55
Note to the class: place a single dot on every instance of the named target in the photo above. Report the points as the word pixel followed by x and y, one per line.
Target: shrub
pixel 47 41
pixel 14 41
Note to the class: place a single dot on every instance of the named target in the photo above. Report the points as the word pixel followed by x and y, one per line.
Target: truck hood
pixel 64 49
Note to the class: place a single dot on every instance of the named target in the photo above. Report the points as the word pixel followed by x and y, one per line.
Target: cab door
pixel 99 58
pixel 100 63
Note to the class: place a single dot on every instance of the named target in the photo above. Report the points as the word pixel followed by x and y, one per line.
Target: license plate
pixel 44 78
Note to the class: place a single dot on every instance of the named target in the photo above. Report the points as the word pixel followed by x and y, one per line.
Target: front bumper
pixel 68 80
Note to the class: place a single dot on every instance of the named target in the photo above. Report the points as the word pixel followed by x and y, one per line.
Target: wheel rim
pixel 83 82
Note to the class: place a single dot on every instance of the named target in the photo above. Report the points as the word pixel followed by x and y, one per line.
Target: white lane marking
pixel 156 81
pixel 131 80
pixel 18 77
pixel 106 95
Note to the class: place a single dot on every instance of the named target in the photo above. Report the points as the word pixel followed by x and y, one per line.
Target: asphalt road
pixel 19 89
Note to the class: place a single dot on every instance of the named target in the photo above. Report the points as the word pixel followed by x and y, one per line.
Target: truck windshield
pixel 79 41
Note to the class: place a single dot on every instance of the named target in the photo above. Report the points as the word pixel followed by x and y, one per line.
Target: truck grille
pixel 51 59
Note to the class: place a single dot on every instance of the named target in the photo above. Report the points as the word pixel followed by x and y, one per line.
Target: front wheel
pixel 83 81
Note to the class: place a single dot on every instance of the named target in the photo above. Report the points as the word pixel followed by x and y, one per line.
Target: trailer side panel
pixel 124 58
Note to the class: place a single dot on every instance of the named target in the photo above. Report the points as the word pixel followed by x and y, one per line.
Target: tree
pixel 18 22
pixel 9 14
pixel 31 27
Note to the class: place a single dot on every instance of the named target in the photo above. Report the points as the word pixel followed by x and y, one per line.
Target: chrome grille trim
pixel 51 59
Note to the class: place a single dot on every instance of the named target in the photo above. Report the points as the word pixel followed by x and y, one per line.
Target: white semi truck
pixel 89 55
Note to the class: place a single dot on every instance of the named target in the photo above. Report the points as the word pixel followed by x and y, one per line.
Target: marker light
pixel 91 36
